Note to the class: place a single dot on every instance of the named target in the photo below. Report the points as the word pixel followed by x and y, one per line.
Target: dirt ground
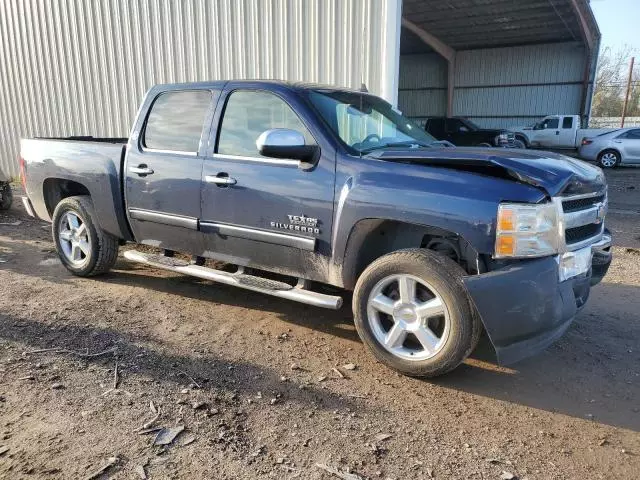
pixel 251 378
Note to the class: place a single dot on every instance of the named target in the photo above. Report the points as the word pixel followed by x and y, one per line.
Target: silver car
pixel 613 148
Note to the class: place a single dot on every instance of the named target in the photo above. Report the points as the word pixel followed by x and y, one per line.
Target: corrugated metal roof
pixel 467 24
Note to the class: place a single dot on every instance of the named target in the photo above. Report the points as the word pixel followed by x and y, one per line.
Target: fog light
pixel 572 264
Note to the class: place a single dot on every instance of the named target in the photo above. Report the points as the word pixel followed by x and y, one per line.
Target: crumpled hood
pixel 555 173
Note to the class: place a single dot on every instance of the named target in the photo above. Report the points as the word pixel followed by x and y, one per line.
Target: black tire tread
pixel 619 158
pixel 107 244
pixel 452 274
pixel 7 196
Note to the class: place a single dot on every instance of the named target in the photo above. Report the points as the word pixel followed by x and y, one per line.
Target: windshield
pixel 366 123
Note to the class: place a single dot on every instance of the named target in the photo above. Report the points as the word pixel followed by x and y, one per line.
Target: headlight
pixel 525 230
pixel 501 139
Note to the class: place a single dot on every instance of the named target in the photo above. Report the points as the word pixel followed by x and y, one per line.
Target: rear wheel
pixel 6 196
pixel 412 310
pixel 609 159
pixel 84 249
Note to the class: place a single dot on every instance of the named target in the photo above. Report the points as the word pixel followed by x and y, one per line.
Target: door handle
pixel 617 141
pixel 141 169
pixel 220 180
pixel 557 132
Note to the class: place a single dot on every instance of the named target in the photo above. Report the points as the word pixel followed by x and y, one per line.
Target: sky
pixel 618 21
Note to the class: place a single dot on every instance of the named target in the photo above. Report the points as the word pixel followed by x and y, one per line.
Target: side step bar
pixel 239 279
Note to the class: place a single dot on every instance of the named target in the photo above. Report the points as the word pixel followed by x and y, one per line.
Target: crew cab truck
pixel 302 186
pixel 463 132
pixel 555 132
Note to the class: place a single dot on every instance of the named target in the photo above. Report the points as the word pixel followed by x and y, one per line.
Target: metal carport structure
pixel 79 67
pixel 497 61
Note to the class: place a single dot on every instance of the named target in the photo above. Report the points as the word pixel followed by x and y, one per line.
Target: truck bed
pixel 87 138
pixel 77 164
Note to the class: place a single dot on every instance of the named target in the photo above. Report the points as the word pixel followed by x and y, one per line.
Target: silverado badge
pixel 299 223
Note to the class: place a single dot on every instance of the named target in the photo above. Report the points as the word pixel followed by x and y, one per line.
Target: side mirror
pixel 537 126
pixel 285 143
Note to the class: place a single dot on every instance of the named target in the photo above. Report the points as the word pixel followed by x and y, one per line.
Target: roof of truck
pixel 219 84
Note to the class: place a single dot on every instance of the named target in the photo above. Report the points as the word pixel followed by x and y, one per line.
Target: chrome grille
pixel 581 203
pixel 583 219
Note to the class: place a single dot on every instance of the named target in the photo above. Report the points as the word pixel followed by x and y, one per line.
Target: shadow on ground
pixel 161 363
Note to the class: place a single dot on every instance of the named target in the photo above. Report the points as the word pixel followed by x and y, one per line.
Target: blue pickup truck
pixel 304 188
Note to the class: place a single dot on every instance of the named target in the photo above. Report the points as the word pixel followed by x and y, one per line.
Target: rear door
pixel 273 213
pixel 436 127
pixel 629 143
pixel 457 132
pixel 164 167
pixel 567 135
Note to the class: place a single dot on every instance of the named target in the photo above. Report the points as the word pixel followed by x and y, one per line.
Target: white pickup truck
pixel 556 131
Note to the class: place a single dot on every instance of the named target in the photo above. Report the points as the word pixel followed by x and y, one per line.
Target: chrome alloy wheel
pixel 608 159
pixel 408 317
pixel 74 239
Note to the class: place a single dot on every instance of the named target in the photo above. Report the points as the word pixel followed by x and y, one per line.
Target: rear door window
pixel 567 122
pixel 631 134
pixel 176 121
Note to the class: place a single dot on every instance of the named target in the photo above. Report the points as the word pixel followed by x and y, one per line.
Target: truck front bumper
pixel 525 307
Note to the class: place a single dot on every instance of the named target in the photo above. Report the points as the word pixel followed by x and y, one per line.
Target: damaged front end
pixel 527 305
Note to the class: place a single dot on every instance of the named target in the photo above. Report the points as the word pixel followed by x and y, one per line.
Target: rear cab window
pixel 247 115
pixel 567 122
pixel 176 121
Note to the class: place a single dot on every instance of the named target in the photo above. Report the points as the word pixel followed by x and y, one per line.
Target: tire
pixel 84 249
pixel 522 140
pixel 6 196
pixel 609 159
pixel 517 143
pixel 454 333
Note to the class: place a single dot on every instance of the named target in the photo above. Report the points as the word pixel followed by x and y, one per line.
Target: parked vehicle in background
pixel 555 131
pixel 302 185
pixel 6 196
pixel 614 148
pixel 464 133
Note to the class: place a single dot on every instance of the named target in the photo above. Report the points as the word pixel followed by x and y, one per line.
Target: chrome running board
pixel 239 279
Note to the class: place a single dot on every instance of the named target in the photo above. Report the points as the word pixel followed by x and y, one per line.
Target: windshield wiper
pixel 406 143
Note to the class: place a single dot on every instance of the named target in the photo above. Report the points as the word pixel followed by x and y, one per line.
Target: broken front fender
pixel 524 307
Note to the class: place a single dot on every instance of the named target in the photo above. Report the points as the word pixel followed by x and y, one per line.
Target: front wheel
pixel 412 310
pixel 84 249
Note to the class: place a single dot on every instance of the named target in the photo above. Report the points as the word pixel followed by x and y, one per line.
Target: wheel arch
pixel 372 238
pixel 610 149
pixel 522 137
pixel 54 190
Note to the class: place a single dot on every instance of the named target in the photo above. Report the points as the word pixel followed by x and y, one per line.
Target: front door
pixel 163 171
pixel 268 213
pixel 549 133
